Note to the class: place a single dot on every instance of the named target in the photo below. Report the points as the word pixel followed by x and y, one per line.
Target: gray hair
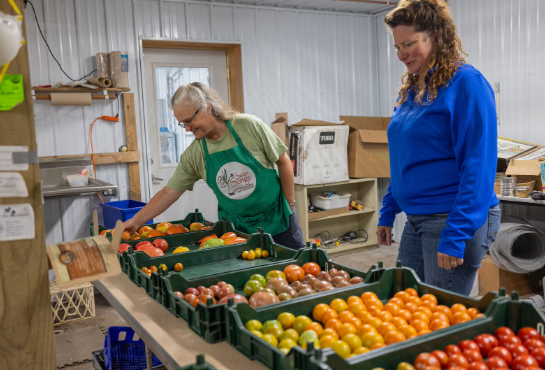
pixel 199 96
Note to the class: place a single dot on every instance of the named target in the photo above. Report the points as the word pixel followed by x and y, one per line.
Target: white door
pixel 165 70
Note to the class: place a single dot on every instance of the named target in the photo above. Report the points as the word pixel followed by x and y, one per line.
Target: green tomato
pixel 251 287
pixel 275 273
pixel 271 324
pixel 259 278
pixel 253 325
pixel 308 336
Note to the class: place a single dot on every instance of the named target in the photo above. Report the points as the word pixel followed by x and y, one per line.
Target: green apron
pixel 249 195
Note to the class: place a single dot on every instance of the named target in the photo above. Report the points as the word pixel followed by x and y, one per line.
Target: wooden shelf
pixel 76 89
pixel 521 200
pixel 350 213
pixel 105 158
pixel 352 247
pixel 351 181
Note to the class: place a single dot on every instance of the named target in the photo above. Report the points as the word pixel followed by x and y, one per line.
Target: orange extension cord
pixel 106 118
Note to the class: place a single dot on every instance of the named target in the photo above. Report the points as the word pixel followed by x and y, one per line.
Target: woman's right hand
pixel 384 234
pixel 130 226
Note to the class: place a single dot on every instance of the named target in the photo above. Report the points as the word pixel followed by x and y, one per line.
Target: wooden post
pixel 132 144
pixel 26 326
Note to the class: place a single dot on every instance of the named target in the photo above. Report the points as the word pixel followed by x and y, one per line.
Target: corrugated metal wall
pixel 311 64
pixel 504 39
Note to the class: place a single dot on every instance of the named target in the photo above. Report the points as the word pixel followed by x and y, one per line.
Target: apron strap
pixel 233 132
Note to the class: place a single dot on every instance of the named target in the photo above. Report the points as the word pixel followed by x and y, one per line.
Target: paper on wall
pixel 12 184
pixel 538 154
pixel 16 222
pixel 6 158
pixel 510 148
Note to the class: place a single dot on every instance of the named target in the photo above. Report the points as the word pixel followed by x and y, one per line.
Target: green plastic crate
pixel 510 312
pixel 209 321
pixel 200 364
pixel 391 281
pixel 203 262
pixel 188 220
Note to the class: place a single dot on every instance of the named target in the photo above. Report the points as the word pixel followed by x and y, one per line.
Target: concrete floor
pixel 106 316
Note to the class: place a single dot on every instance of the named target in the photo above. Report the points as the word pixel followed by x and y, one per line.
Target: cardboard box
pixel 525 171
pixel 318 152
pixel 280 127
pixel 492 278
pixel 368 146
pixel 331 212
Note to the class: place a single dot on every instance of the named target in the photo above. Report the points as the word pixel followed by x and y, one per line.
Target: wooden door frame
pixel 235 85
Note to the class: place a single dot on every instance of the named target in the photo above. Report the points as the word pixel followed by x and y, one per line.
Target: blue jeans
pixel 293 236
pixel 418 250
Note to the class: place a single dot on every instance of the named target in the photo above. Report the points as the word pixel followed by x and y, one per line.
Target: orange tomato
pixel 394 337
pixel 359 351
pixel 399 321
pixel 178 267
pixel 353 299
pixel 445 310
pixel 460 317
pixel 374 310
pixel 425 310
pixel 405 314
pixel 356 307
pixel 438 324
pixel 294 273
pixel 316 327
pixel 473 312
pixel 377 346
pixel 339 305
pixel 126 235
pixel 373 321
pixel 478 316
pixel 168 224
pixel 411 307
pixel 326 341
pixel 398 301
pixel 417 301
pixel 329 332
pixel 154 234
pixel 368 295
pixel 385 328
pixel 429 304
pixel 373 302
pixel 439 316
pixel 364 329
pixel 457 307
pixel 346 329
pixel 319 311
pixel 423 332
pixel 429 297
pixel 355 321
pixel 334 324
pixel 228 236
pixel 412 292
pixel 419 316
pixel 345 316
pixel 176 229
pixel 370 339
pixel 392 308
pixel 364 315
pixel 143 229
pixel 311 268
pixel 404 296
pixel 385 316
pixel 328 315
pixel 408 331
pixel 420 325
pixel 103 232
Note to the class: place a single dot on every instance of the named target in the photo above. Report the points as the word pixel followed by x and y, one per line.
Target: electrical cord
pixel 48 48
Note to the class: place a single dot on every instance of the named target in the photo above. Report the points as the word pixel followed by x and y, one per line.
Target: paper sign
pixel 11 91
pixel 12 184
pixel 16 222
pixel 6 158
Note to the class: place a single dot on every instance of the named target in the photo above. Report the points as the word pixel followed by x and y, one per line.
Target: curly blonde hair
pixel 433 18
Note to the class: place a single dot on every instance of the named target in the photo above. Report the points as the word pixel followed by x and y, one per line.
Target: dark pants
pixel 293 236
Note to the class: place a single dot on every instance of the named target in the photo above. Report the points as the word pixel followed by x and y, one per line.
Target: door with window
pixel 165 70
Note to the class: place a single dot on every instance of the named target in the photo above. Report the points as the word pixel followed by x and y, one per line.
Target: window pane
pixel 174 139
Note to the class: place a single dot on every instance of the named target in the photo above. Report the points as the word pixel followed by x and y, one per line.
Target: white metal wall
pixel 505 42
pixel 310 64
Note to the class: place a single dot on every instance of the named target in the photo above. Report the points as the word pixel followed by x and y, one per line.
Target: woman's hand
pixel 447 262
pixel 130 226
pixel 384 234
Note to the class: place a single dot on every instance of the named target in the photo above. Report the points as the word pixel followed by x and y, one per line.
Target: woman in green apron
pixel 235 154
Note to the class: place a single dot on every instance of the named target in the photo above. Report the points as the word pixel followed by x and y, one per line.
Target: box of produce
pixel 390 313
pixel 216 257
pixel 510 336
pixel 257 285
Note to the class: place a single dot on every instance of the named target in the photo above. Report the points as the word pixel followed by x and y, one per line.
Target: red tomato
pixel 161 244
pixel 504 331
pixel 441 356
pixel 486 342
pixel 457 360
pixel 472 355
pixel 424 360
pixel 517 350
pixel 452 349
pixel 478 366
pixel 506 341
pixel 523 362
pixel 533 343
pixel 539 355
pixel 123 248
pixel 502 353
pixel 468 344
pixel 494 363
pixel 527 333
pixel 294 273
pixel 139 246
pixel 311 268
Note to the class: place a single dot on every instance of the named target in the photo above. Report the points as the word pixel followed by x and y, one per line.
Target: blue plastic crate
pixel 120 210
pixel 126 353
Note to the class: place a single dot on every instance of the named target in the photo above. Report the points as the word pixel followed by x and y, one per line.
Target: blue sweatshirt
pixel 443 158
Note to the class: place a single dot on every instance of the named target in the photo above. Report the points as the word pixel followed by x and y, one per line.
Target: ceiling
pixel 348 6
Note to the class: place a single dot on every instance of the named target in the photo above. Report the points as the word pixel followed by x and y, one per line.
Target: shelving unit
pixel 364 190
pixel 49 90
pixel 521 200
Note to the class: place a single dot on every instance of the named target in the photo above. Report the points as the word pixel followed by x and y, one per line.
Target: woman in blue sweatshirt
pixel 443 151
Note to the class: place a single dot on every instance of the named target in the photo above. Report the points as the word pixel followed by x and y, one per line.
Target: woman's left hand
pixel 447 262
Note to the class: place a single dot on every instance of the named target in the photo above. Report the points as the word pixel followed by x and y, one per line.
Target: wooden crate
pixel 71 304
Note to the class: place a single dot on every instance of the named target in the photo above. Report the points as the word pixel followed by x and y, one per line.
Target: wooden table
pixel 168 337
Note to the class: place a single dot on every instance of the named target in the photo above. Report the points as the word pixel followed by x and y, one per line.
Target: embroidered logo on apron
pixel 235 180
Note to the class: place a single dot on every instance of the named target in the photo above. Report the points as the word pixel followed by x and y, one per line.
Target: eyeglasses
pixel 188 122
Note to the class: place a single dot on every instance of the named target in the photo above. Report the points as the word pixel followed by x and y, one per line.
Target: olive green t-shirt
pixel 257 137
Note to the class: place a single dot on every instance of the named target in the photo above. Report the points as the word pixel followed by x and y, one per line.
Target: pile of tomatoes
pixel 219 293
pixel 157 248
pixel 501 351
